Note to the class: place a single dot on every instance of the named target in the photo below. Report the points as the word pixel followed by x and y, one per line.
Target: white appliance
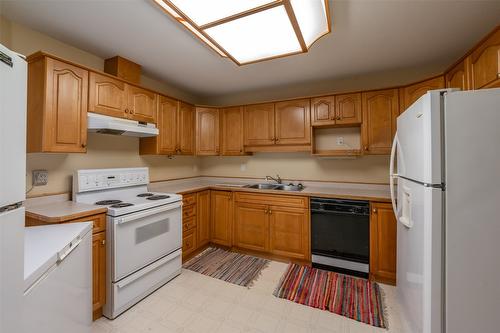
pixel 13 78
pixel 144 232
pixel 58 278
pixel 99 123
pixel 448 191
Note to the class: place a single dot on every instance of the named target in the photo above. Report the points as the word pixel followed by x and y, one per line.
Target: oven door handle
pixel 147 212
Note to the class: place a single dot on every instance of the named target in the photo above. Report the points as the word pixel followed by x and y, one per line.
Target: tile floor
pixel 194 302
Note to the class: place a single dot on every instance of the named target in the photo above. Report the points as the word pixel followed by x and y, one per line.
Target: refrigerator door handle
pixel 393 175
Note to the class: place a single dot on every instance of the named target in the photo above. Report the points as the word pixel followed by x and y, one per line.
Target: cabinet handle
pixel 339 118
pixel 103 242
pixel 366 147
pixel 84 145
pixel 270 212
pixel 126 110
pixel 375 210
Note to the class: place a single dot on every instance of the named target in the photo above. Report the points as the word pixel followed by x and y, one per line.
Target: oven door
pixel 143 237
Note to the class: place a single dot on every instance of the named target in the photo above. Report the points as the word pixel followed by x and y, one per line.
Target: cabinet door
pixel 323 111
pixel 167 125
pixel 413 92
pixel 383 243
pixel 289 232
pixel 203 216
pixel 232 131
pixel 459 76
pixel 207 131
pixel 259 125
pixel 221 217
pixel 348 109
pixel 189 242
pixel 186 129
pixel 141 104
pixel 99 270
pixel 251 227
pixel 107 96
pixel 485 63
pixel 65 124
pixel 293 122
pixel 380 109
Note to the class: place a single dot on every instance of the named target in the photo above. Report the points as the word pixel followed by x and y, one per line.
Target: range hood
pixel 99 123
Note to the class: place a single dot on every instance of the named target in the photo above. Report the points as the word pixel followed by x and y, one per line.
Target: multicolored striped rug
pixel 231 267
pixel 352 297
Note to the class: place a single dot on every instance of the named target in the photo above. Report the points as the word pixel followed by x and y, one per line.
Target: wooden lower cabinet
pixel 221 217
pixel 203 217
pixel 382 243
pixel 289 232
pixel 189 224
pixel 251 227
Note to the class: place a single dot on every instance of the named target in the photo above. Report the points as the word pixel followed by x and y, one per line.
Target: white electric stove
pixel 144 232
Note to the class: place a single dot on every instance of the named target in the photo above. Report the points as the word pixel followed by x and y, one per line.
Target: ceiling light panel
pixel 207 11
pixel 312 19
pixel 263 35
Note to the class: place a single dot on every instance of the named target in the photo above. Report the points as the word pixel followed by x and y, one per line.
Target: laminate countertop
pixel 62 211
pixel 369 192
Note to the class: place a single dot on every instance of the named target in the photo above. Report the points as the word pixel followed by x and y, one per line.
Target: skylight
pixel 249 31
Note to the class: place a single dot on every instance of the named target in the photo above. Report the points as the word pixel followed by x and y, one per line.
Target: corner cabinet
pixel 383 243
pixel 207 131
pixel 186 129
pixel 380 110
pixel 232 131
pixel 57 106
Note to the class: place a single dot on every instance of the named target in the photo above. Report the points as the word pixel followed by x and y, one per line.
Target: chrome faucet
pixel 277 179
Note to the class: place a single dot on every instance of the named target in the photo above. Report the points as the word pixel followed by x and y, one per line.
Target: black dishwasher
pixel 340 235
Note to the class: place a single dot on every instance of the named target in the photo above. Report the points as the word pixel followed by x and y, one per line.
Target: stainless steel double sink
pixel 278 187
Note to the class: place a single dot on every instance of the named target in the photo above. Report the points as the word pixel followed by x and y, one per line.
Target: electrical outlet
pixel 340 141
pixel 40 177
pixel 243 167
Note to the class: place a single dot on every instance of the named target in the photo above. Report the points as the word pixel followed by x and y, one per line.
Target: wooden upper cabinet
pixel 165 143
pixel 57 106
pixel 348 109
pixel 141 104
pixel 221 217
pixel 203 216
pixel 459 76
pixel 485 63
pixel 207 131
pixel 232 131
pixel 107 96
pixel 411 93
pixel 383 240
pixel 289 232
pixel 186 129
pixel 323 111
pixel 380 109
pixel 293 122
pixel 259 125
pixel 251 226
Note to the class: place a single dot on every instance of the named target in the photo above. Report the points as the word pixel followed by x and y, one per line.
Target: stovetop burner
pixel 142 195
pixel 107 202
pixel 158 197
pixel 121 205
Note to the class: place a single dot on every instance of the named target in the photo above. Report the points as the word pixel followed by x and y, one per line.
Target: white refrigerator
pixel 448 189
pixel 45 272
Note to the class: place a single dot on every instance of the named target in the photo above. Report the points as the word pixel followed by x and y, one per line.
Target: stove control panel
pixel 102 179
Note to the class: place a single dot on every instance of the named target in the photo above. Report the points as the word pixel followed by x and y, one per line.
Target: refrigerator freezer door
pixel 13 99
pixel 419 140
pixel 472 137
pixel 419 256
pixel 11 269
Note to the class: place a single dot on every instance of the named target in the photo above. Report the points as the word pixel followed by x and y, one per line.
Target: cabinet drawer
pixel 188 211
pixel 189 242
pixel 275 200
pixel 98 221
pixel 188 223
pixel 189 199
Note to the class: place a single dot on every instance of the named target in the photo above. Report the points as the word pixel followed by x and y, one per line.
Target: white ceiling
pixel 369 37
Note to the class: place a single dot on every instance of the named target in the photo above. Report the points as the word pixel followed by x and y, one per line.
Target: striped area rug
pixel 352 297
pixel 231 267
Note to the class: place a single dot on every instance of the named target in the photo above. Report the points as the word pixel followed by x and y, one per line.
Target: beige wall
pixel 300 166
pixel 105 151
